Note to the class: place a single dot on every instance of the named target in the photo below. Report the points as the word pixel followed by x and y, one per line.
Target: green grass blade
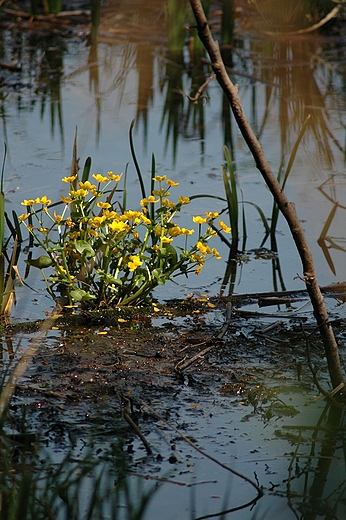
pixel 2 280
pixel 230 184
pixel 152 184
pixel 86 169
pixel 231 202
pixel 275 210
pixel 244 224
pixel 207 196
pixel 133 153
pixel 18 229
pixel 2 202
pixel 261 214
pixel 74 164
pixel 125 190
pixel 7 282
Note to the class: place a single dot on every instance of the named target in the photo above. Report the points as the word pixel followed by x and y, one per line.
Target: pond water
pixel 100 88
pixel 137 68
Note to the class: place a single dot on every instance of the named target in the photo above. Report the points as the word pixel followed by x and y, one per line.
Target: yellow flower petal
pixel 100 178
pixel 69 179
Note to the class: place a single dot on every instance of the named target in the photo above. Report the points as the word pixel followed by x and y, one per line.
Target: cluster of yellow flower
pixel 118 242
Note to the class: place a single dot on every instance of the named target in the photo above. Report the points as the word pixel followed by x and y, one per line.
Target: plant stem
pixel 287 208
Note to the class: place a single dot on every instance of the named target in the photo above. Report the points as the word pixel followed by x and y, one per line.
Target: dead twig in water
pixel 170 481
pixel 213 459
pixel 198 94
pixel 182 365
pixel 125 404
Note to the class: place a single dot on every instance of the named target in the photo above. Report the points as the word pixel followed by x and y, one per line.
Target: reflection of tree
pixel 323 487
pixel 290 69
pixel 145 69
pixel 325 241
pixel 50 75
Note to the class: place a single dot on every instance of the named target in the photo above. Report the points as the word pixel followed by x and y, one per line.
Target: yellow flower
pixel 79 193
pixel 61 269
pixel 172 183
pixel 43 200
pixel 175 231
pixel 161 193
pixel 211 215
pixel 87 186
pixel 205 250
pixel 58 218
pixel 115 178
pixel 198 269
pixel 199 220
pixel 151 199
pixel 100 178
pixel 92 232
pixel 103 205
pixel 185 231
pixel 216 253
pixel 110 215
pixel 135 261
pixel 168 203
pixel 133 215
pixel 73 235
pixel 29 202
pixel 145 219
pixel 97 222
pixel 184 200
pixel 67 200
pixel 166 240
pixel 224 227
pixel 119 227
pixel 42 230
pixel 69 179
pixel 160 178
pixel 197 258
pixel 69 222
pixel 23 217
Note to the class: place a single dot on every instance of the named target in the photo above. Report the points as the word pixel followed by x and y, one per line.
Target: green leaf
pixel 108 278
pixel 79 295
pixel 41 262
pixel 84 248
pixel 86 170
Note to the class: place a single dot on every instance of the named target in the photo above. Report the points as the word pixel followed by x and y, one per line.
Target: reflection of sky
pixel 37 161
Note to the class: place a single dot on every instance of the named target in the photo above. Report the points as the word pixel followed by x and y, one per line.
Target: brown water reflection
pixel 141 57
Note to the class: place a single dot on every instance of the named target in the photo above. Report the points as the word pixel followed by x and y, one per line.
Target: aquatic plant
pixel 8 265
pixel 103 254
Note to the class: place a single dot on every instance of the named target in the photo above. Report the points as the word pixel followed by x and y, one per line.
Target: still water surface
pixel 132 72
pixel 100 88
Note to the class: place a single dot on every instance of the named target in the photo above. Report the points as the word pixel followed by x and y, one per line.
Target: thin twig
pixel 210 457
pixel 125 412
pixel 182 365
pixel 198 94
